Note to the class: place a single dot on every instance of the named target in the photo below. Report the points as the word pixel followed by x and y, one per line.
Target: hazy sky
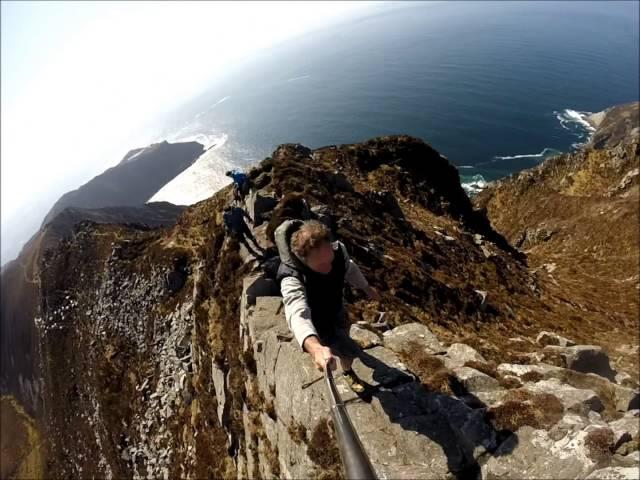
pixel 81 79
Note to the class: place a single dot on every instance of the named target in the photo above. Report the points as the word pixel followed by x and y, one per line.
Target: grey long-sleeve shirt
pixel 294 297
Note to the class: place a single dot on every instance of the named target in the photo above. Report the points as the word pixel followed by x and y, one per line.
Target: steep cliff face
pixel 116 196
pixel 619 124
pixel 162 352
pixel 21 290
pixel 576 217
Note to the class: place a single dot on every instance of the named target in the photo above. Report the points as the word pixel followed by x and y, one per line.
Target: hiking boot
pixel 353 381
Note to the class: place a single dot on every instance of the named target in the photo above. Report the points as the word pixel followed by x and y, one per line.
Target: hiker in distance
pixel 240 184
pixel 234 224
pixel 312 274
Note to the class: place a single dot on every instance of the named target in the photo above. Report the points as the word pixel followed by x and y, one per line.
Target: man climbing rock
pixel 312 274
pixel 234 224
pixel 240 184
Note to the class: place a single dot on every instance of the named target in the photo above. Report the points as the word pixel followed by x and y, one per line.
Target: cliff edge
pixel 163 352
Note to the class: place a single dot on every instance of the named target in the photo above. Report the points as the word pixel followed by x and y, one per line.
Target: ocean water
pixel 495 87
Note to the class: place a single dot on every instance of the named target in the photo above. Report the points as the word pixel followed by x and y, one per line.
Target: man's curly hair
pixel 310 235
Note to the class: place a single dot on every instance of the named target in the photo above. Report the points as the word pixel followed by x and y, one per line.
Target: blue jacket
pixel 238 177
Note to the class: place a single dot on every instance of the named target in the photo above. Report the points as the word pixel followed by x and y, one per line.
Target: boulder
pixel 458 354
pixel 624 379
pixel 476 381
pixel 531 453
pixel 403 428
pixel 624 429
pixel 585 359
pixel 626 398
pixel 381 366
pixel 575 400
pixel 258 204
pixel 400 339
pixel 570 424
pixel 615 473
pixel 518 370
pixel 549 338
pixel 363 337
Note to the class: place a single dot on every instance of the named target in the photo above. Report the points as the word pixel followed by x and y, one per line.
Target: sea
pixel 496 87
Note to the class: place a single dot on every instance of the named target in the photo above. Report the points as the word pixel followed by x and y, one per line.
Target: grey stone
pixel 575 400
pixel 630 460
pixel 531 453
pixel 624 379
pixel 518 370
pixel 570 424
pixel 585 359
pixel 258 286
pixel 615 473
pixel 401 338
pixel 363 337
pixel 458 354
pixel 380 366
pixel 476 381
pixel 268 314
pixel 258 204
pixel 626 398
pixel 217 375
pixel 624 429
pixel 545 338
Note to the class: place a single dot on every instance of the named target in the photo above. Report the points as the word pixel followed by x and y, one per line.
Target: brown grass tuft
pixel 532 376
pixel 322 450
pixel 522 407
pixel 509 381
pixel 429 368
pixel 271 454
pixel 298 432
pixel 488 368
pixel 599 443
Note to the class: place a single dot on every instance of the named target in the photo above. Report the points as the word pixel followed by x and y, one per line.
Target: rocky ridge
pixel 164 353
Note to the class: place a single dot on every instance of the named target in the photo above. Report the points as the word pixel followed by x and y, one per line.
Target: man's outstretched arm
pixel 298 315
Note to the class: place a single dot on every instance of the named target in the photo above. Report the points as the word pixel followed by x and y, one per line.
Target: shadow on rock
pixel 465 435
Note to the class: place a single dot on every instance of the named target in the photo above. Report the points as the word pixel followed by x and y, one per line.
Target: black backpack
pixel 270 267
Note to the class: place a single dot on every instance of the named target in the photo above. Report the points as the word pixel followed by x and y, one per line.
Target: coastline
pixel 589 122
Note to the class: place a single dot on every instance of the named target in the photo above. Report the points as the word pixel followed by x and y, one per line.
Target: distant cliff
pixel 576 217
pixel 619 124
pixel 140 174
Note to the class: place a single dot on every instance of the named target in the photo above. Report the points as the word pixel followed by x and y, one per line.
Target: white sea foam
pixel 544 153
pixel 474 184
pixel 568 117
pixel 203 178
pixel 209 140
pixel 466 166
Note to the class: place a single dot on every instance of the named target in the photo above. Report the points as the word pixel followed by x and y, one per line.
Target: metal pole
pixel 356 463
